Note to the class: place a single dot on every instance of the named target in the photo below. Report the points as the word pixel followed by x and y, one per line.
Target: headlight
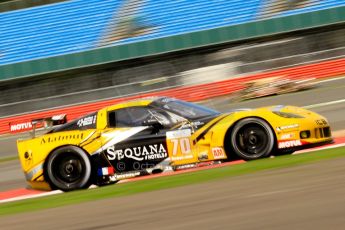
pixel 287 115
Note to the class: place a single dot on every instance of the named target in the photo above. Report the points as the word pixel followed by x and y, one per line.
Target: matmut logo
pixel 21 126
pixel 289 144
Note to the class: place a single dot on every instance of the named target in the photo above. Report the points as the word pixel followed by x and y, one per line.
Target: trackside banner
pixel 20 126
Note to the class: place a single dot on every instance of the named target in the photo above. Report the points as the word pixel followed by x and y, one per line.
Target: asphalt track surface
pixel 308 196
pixel 301 197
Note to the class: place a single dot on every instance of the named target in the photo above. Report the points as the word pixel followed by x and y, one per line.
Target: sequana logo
pixel 140 153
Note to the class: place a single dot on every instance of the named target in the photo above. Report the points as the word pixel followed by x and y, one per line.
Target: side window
pixel 136 116
pixel 133 116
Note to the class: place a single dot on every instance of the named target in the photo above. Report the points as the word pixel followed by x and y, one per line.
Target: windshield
pixel 185 109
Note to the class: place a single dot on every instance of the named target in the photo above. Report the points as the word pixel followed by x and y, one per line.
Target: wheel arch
pixel 227 145
pixel 45 171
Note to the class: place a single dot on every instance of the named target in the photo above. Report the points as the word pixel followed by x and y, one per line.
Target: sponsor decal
pixel 183 157
pixel 287 136
pixel 28 158
pixel 28 155
pixel 186 166
pixel 86 121
pixel 321 122
pixel 289 144
pixel 140 153
pixel 37 123
pixel 196 165
pixel 168 168
pixel 23 126
pixel 126 175
pixel 179 133
pixel 45 140
pixel 218 153
pixel 293 126
pixel 58 117
pixel 105 171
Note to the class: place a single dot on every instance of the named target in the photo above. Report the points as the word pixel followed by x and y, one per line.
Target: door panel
pixel 140 151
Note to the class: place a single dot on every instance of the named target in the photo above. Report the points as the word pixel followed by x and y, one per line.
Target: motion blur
pixel 61 61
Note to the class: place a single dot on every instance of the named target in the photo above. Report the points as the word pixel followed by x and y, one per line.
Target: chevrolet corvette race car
pixel 154 135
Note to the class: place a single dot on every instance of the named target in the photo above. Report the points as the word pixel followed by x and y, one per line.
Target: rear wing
pixel 37 123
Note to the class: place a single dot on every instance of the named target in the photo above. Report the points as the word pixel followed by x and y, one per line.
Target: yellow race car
pixel 154 135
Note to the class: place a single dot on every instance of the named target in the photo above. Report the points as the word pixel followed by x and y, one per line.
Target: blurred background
pixel 79 55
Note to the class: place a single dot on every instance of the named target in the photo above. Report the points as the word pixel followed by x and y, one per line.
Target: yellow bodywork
pixel 183 147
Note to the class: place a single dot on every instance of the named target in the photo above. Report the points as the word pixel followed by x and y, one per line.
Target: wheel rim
pixel 252 140
pixel 68 168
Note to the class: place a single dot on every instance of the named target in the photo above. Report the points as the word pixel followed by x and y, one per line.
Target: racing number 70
pixel 182 144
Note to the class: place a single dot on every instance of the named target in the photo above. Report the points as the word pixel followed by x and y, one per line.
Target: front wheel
pixel 68 168
pixel 252 138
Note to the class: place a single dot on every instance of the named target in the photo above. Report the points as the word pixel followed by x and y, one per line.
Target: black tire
pixel 252 138
pixel 68 168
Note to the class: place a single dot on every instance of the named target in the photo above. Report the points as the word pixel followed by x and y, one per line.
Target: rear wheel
pixel 252 138
pixel 68 168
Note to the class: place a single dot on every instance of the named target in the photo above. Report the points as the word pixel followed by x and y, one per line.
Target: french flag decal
pixel 105 171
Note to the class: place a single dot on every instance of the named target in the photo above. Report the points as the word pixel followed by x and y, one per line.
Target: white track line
pixel 30 196
pixel 324 104
pixel 24 197
pixel 331 79
pixel 321 148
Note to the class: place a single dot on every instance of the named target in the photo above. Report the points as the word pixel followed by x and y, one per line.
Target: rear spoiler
pixel 48 122
pixel 38 123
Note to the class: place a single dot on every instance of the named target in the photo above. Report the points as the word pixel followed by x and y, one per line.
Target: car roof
pixel 135 102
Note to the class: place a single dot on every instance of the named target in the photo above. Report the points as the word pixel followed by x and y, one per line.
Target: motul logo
pixel 21 126
pixel 289 144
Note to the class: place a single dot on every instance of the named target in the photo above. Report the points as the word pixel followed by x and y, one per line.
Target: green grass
pixel 167 182
pixel 5 159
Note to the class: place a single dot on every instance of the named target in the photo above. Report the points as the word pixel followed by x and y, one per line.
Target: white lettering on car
pixel 289 144
pixel 179 133
pixel 292 126
pixel 149 152
pixel 87 121
pixel 287 136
